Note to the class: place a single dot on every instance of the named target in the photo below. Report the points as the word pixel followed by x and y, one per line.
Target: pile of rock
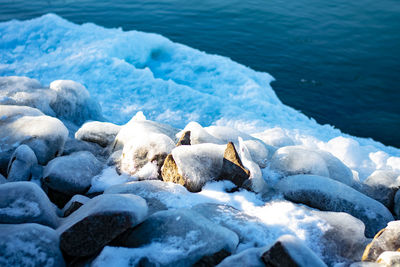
pixel 49 217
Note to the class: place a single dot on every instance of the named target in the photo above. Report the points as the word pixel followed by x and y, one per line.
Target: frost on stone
pixel 21 164
pixel 329 195
pixel 107 178
pixel 23 125
pixel 191 234
pixel 102 133
pixel 25 202
pixel 250 257
pixel 29 244
pixel 275 137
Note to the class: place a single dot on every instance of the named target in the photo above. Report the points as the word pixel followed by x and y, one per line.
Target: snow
pixel 108 177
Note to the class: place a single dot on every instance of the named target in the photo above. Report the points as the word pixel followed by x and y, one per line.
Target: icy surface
pixel 171 83
pixel 21 163
pixel 102 133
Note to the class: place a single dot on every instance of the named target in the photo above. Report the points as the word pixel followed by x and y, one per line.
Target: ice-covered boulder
pixel 275 137
pixel 292 160
pixel 199 135
pixel 75 203
pixel 21 164
pixel 73 145
pixel 382 186
pixel 288 250
pixel 25 202
pixel 329 195
pixel 250 258
pixel 29 244
pixel 388 239
pixel 3 179
pixel 232 167
pixel 99 221
pixel 73 102
pixel 365 264
pixel 184 140
pixel 396 204
pixel 185 230
pixel 24 125
pixel 251 231
pixel 193 166
pixel 156 193
pixel 389 258
pixel 102 133
pixel 70 175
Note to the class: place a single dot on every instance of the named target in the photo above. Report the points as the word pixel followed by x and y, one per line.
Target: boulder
pixel 25 202
pixel 365 264
pixel 21 164
pixel 24 125
pixel 71 174
pixel 101 133
pixel 29 244
pixel 194 235
pixel 232 167
pixel 382 186
pixel 389 258
pixel 184 140
pixel 250 258
pixel 329 195
pixel 275 137
pixel 288 250
pixel 388 239
pixel 75 203
pixel 193 166
pixel 86 231
pixel 157 194
pixel 3 179
pixel 73 145
pixel 396 204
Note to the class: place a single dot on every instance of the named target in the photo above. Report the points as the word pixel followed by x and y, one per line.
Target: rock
pixel 102 133
pixel 29 244
pixel 212 260
pixel 74 145
pixel 25 202
pixel 329 195
pixel 386 240
pixel 389 258
pixel 115 159
pixel 193 166
pixel 250 258
pixel 184 140
pixel 382 186
pixel 75 203
pixel 199 135
pixel 194 235
pixel 337 170
pixel 157 193
pixel 71 174
pixel 73 102
pixel 3 179
pixel 86 231
pixel 396 204
pixel 24 125
pixel 21 164
pixel 365 264
pixel 290 251
pixel 275 137
pixel 232 167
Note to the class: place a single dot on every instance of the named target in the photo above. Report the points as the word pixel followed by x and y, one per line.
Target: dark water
pixel 337 61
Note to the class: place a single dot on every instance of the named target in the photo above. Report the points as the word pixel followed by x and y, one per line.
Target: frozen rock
pixel 73 145
pixel 70 175
pixel 29 244
pixel 365 264
pixel 115 158
pixel 73 102
pixel 337 170
pixel 396 204
pixel 232 167
pixel 102 133
pixel 386 240
pixel 329 195
pixel 251 231
pixel 193 166
pixel 199 135
pixel 382 186
pixel 21 163
pixel 290 251
pixel 3 179
pixel 75 203
pixel 250 258
pixel 275 137
pixel 190 231
pixel 24 125
pixel 389 258
pixel 99 221
pixel 156 193
pixel 25 202
pixel 184 140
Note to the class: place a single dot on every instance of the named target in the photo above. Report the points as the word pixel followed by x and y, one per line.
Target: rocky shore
pixel 75 190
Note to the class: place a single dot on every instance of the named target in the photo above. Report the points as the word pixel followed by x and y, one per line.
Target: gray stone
pixel 101 133
pixel 75 203
pixel 21 164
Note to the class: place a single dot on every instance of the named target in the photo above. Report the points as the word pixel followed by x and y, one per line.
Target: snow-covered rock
pixel 232 167
pixel 25 202
pixel 71 174
pixel 193 166
pixel 75 203
pixel 275 137
pixel 184 230
pixel 99 221
pixel 102 133
pixel 73 102
pixel 396 204
pixel 156 193
pixel 29 244
pixel 73 145
pixel 3 179
pixel 389 259
pixel 329 195
pixel 250 258
pixel 24 125
pixel 290 251
pixel 21 164
pixel 388 239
